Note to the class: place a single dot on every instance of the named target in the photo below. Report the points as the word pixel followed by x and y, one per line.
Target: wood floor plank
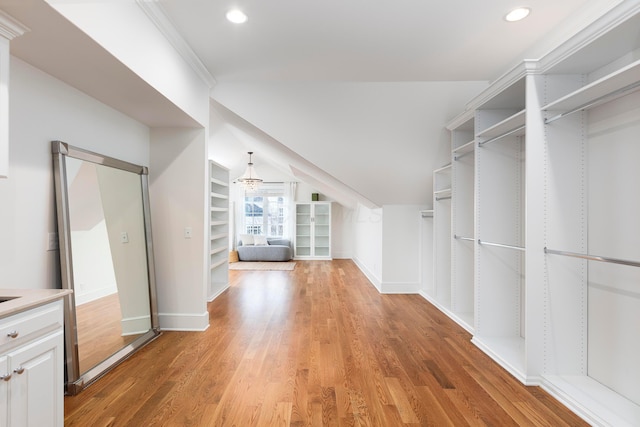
pixel 316 346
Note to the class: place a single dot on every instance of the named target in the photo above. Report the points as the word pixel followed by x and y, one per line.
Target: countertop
pixel 28 298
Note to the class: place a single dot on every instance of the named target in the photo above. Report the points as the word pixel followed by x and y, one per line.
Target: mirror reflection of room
pixel 109 259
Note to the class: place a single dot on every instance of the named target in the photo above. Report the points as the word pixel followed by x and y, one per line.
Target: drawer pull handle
pixel 13 334
pixel 6 377
pixel 19 370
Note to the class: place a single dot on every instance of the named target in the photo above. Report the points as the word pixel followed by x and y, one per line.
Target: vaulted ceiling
pixel 363 89
pixel 350 96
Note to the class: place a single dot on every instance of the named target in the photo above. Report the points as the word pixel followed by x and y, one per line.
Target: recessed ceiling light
pixel 236 16
pixel 518 14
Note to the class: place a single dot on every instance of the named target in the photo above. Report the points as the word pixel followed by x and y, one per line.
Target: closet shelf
pixel 219 196
pixel 219 236
pixel 218 209
pixel 442 194
pixel 212 223
pixel 506 127
pixel 446 168
pixel 426 213
pixel 508 351
pixel 601 401
pixel 464 149
pixel 607 88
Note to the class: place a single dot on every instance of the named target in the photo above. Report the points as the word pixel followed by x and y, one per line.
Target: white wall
pixel 401 248
pixel 367 253
pixel 125 30
pixel 374 137
pixel 178 194
pixel 43 109
pixel 342 232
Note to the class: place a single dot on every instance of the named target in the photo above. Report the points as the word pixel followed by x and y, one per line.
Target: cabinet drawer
pixel 33 322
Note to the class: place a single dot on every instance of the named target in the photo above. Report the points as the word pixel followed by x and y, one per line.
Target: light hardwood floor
pixel 99 331
pixel 317 346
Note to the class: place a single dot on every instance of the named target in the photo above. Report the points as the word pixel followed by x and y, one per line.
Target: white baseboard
pixel 183 321
pixel 399 288
pixel 341 255
pixel 372 277
pixel 85 297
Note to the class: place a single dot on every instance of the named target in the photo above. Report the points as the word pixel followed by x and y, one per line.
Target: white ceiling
pixel 351 96
pixel 360 40
pixel 363 89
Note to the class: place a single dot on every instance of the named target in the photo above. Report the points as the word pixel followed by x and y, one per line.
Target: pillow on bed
pixel 260 240
pixel 247 239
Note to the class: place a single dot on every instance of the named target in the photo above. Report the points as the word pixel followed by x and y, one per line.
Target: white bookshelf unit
pixel 218 228
pixel 541 234
pixel 313 231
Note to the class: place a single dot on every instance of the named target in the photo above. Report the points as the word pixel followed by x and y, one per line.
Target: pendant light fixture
pixel 249 179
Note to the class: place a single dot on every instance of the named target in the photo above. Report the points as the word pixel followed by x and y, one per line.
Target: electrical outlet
pixel 124 237
pixel 52 242
pixel 187 232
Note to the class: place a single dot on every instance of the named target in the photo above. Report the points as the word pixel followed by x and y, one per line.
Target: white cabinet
pixel 31 367
pixel 218 228
pixel 313 230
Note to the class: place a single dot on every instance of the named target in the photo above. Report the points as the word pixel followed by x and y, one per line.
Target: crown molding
pixel 608 21
pixel 10 27
pixel 512 76
pixel 157 15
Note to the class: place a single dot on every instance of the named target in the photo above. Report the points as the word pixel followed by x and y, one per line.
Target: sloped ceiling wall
pixel 381 140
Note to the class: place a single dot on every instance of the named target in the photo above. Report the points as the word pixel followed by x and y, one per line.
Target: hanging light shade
pixel 249 179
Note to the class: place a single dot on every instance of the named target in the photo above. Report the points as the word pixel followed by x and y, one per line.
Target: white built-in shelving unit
pixel 313 231
pixel 500 227
pixel 591 114
pixel 541 235
pixel 427 261
pixel 218 227
pixel 440 293
pixel 463 145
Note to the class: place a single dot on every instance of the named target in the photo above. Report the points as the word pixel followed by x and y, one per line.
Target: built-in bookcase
pixel 218 227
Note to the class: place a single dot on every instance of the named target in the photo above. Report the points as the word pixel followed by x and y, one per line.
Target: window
pixel 264 211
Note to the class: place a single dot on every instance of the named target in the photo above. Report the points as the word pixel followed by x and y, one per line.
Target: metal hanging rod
pixel 459 156
pixel 599 100
pixel 495 138
pixel 593 257
pixel 500 245
pixel 470 239
pixel 442 198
